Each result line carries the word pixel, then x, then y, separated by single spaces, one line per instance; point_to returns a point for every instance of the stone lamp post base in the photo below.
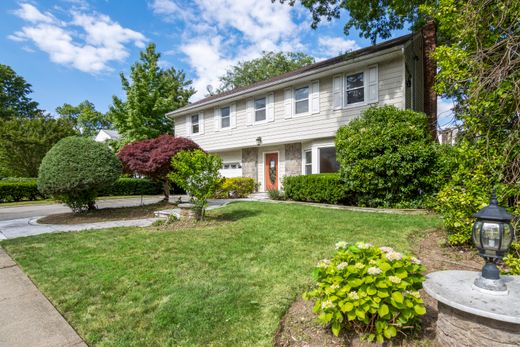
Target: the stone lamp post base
pixel 471 316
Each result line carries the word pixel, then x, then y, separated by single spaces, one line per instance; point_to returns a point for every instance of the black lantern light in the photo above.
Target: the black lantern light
pixel 259 141
pixel 492 234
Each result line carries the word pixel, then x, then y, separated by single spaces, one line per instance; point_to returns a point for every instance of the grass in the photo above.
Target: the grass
pixel 225 284
pixel 106 214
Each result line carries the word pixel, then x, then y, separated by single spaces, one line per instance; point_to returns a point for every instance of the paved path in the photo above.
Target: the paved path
pixel 38 210
pixel 27 318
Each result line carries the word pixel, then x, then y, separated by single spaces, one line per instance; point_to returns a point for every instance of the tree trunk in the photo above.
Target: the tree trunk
pixel 429 34
pixel 166 189
pixel 91 205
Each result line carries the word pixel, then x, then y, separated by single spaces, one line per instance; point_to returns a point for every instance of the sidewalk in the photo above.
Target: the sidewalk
pixel 27 318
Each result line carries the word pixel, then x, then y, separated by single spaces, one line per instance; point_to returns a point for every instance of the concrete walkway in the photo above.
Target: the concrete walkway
pixel 27 318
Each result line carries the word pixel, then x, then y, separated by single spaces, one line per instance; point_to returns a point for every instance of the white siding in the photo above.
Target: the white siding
pixel 297 128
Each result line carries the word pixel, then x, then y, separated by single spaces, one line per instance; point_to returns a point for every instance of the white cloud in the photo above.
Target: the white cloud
pixel 99 42
pixel 445 115
pixel 219 33
pixel 332 46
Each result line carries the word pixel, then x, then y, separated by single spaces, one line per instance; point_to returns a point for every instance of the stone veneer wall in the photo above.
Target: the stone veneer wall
pixel 293 159
pixel 250 163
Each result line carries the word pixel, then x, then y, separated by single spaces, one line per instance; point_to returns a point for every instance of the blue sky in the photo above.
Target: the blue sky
pixel 72 50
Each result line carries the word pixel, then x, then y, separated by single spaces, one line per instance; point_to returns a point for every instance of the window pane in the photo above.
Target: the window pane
pixel 225 122
pixel 301 93
pixel 259 103
pixel 354 81
pixel 302 106
pixel 260 115
pixel 195 128
pixel 356 95
pixel 195 119
pixel 308 157
pixel 308 169
pixel 224 112
pixel 328 161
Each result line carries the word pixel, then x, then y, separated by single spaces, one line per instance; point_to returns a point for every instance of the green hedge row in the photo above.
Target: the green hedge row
pixel 27 189
pixel 324 188
pixel 19 189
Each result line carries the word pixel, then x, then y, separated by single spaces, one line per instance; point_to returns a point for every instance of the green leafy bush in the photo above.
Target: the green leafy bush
pixel 275 194
pixel 197 172
pixel 325 188
pixel 132 186
pixel 236 187
pixel 388 158
pixel 19 189
pixel 369 290
pixel 76 169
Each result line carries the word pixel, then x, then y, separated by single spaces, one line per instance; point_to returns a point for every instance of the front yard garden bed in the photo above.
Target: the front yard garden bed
pixel 225 284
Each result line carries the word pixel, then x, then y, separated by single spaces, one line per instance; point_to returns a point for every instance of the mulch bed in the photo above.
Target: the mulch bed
pixel 299 327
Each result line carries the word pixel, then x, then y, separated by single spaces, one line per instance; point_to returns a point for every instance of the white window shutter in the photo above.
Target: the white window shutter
pixel 337 92
pixel 269 108
pixel 250 111
pixel 217 119
pixel 201 123
pixel 315 96
pixel 188 125
pixel 233 115
pixel 373 85
pixel 288 102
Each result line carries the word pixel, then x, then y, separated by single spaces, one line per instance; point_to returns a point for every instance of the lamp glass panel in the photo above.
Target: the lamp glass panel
pixel 490 235
pixel 507 238
pixel 476 233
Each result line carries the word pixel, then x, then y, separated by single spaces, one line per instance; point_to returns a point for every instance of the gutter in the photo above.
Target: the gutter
pixel 397 51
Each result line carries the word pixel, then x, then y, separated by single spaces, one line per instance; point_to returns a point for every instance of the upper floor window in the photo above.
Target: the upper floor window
pixel 225 113
pixel 260 109
pixel 195 124
pixel 301 99
pixel 354 88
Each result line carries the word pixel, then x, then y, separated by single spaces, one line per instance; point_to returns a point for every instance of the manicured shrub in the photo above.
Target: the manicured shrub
pixel 235 187
pixel 152 158
pixel 275 194
pixel 388 158
pixel 197 172
pixel 132 186
pixel 76 169
pixel 325 188
pixel 369 290
pixel 19 189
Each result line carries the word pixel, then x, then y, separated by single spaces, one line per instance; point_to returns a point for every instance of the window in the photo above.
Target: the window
pixel 327 158
pixel 308 162
pixel 354 89
pixel 260 110
pixel 301 97
pixel 225 117
pixel 231 166
pixel 195 124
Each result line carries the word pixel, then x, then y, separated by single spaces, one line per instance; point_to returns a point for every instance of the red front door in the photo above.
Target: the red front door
pixel 271 171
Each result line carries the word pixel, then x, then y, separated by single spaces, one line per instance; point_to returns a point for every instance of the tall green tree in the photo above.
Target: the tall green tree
pixel 14 95
pixel 270 64
pixel 85 118
pixel 151 92
pixel 25 141
pixel 377 19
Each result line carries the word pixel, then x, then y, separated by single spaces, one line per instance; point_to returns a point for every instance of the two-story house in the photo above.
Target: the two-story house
pixel 286 125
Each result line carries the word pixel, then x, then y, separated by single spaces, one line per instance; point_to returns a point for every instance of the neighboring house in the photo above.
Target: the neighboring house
pixel 286 125
pixel 105 135
pixel 448 135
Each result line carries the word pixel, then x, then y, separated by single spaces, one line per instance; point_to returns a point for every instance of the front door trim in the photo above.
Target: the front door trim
pixel 264 154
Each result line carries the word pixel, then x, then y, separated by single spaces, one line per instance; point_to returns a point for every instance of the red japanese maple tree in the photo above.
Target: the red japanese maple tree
pixel 152 158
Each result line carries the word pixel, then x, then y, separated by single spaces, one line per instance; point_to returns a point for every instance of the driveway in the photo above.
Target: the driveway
pixel 40 210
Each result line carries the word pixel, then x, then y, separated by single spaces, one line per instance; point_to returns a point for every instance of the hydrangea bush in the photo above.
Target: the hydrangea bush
pixel 369 290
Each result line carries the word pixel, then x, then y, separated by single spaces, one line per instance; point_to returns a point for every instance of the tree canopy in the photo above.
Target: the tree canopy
pixel 270 64
pixel 85 118
pixel 14 96
pixel 151 92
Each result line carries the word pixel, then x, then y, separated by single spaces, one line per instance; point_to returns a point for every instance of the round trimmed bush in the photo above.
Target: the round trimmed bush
pixel 76 169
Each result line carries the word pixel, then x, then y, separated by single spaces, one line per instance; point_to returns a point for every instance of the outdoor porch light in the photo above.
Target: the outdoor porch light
pixel 259 141
pixel 492 234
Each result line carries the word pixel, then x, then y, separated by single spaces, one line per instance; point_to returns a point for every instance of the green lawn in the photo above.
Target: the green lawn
pixel 222 285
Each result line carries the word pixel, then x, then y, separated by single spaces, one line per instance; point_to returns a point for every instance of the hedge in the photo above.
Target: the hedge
pixel 236 187
pixel 19 189
pixel 324 188
pixel 132 186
